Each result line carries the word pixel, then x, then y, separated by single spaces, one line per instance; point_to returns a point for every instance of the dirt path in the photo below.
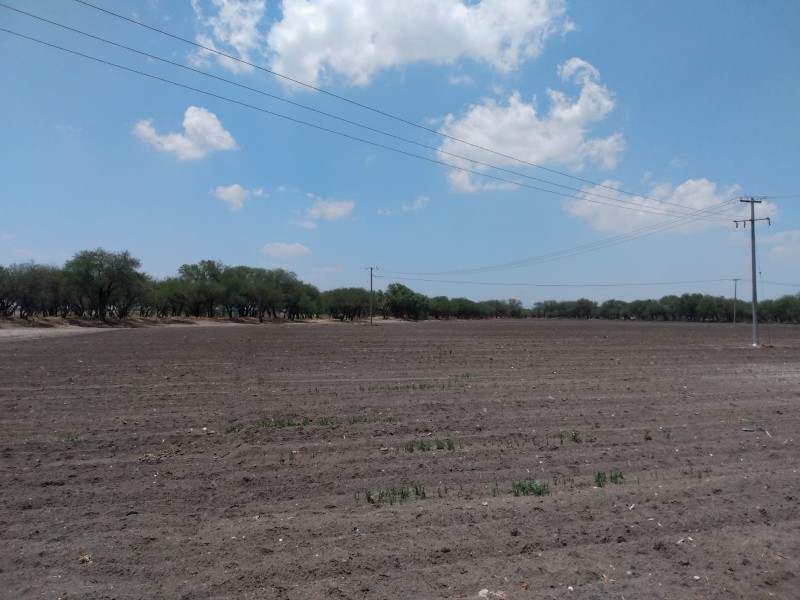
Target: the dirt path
pixel 175 463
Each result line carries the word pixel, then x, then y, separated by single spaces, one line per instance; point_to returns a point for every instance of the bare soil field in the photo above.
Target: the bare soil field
pixel 348 461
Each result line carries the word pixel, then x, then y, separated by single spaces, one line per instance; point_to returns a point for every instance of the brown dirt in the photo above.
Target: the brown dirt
pixel 120 481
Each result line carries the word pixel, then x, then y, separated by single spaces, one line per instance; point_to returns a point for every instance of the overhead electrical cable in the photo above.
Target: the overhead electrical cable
pixel 569 252
pixel 626 205
pixel 356 103
pixel 582 193
pixel 556 285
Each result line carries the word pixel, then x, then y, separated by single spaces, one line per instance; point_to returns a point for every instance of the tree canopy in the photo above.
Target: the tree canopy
pixel 100 283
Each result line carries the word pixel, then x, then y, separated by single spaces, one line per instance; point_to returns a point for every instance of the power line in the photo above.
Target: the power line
pixel 355 103
pixel 555 285
pixel 634 207
pixel 583 193
pixel 569 252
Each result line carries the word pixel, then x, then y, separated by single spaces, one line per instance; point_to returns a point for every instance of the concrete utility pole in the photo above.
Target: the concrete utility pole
pixel 370 292
pixel 752 220
pixel 736 280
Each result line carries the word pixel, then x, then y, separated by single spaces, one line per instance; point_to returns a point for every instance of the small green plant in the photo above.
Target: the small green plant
pixel 591 439
pixel 451 445
pixel 440 445
pixel 281 422
pixel 289 456
pixel 561 437
pixel 68 438
pixel 600 478
pixel 616 476
pixel 667 434
pixel 496 489
pixel 530 487
pixel 419 491
pixel 465 375
pixel 648 435
pixel 576 437
pixel 409 446
pixel 231 429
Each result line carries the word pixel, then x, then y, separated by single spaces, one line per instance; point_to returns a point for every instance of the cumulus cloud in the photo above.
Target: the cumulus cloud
pixel 664 202
pixel 417 205
pixel 317 39
pixel 234 195
pixel 202 134
pixel 327 210
pixel 233 30
pixel 785 246
pixel 285 251
pixel 560 137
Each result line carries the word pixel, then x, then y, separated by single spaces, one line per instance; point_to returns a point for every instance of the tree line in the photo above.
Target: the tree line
pixel 98 283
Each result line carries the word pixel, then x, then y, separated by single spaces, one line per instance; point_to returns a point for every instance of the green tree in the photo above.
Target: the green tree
pixel 404 303
pixel 346 303
pixel 439 307
pixel 101 277
pixel 205 286
pixel 35 289
pixel 6 302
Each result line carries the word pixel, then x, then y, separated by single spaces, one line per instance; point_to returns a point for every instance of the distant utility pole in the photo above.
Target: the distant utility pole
pixel 370 291
pixel 735 281
pixel 752 220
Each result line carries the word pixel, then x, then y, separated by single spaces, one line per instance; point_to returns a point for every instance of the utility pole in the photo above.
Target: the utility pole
pixel 370 291
pixel 752 220
pixel 735 281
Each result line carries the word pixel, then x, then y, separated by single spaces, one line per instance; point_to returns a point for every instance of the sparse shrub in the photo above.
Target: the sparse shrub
pixel 616 476
pixel 530 487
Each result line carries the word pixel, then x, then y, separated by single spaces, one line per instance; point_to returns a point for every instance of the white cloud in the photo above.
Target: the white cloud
pixel 325 209
pixel 285 251
pixel 233 30
pixel 356 39
pixel 234 195
pixel 460 80
pixel 203 133
pixel 417 205
pixel 330 210
pixel 663 203
pixel 785 246
pixel 517 129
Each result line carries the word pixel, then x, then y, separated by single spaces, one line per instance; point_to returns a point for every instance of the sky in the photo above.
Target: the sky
pixel 528 149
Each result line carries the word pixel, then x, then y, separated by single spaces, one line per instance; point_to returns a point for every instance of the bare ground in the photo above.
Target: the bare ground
pixel 134 464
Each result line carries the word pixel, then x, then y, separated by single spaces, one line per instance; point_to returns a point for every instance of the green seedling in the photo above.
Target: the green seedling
pixel 600 478
pixel 576 437
pixel 280 423
pixel 561 437
pixel 530 487
pixel 68 438
pixel 231 429
pixel 616 476
pixel 648 435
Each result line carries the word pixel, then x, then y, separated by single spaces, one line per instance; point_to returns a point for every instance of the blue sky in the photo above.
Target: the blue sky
pixel 650 119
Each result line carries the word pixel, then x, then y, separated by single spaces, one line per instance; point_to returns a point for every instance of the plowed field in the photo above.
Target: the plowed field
pixel 290 461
